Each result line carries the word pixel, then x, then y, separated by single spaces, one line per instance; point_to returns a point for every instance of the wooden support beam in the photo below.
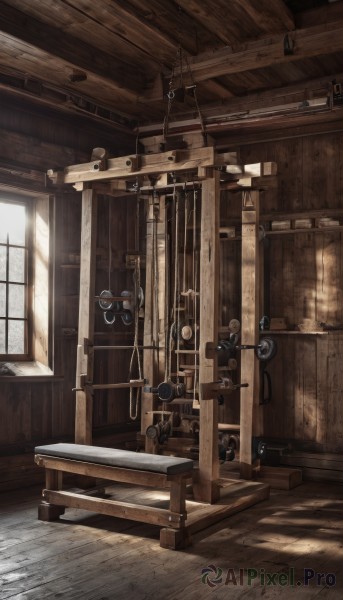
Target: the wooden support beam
pixel 206 488
pixel 250 420
pixel 156 308
pixel 130 167
pixel 84 367
pixel 149 355
pixel 268 52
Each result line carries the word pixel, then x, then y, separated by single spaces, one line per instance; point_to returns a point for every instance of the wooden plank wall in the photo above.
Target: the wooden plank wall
pixel 305 281
pixel 41 411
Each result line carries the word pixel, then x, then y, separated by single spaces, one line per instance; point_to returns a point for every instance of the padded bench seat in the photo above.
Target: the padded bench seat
pixel 125 466
pixel 126 459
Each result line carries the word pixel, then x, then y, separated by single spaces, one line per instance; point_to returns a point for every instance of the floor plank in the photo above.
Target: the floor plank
pixel 91 557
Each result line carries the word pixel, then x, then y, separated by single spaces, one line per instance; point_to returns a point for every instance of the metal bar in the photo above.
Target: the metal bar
pixel 124 347
pixel 113 386
pixel 113 298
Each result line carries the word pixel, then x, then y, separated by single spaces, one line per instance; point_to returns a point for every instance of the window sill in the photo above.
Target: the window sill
pixel 26 371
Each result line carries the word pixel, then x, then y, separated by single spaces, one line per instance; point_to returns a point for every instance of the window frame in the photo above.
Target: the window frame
pixel 28 283
pixel 38 361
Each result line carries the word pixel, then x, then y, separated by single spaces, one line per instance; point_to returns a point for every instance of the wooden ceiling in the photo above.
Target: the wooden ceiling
pixel 115 60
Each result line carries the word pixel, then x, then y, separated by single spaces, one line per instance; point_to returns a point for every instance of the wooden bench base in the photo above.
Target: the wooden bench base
pixel 172 520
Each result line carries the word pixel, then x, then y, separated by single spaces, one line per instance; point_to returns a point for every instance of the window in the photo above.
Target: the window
pixel 25 281
pixel 14 297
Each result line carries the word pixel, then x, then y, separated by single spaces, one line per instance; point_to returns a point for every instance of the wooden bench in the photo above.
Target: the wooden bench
pixel 120 466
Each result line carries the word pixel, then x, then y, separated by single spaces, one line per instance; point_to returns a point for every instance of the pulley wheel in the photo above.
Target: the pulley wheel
pixel 186 333
pixel 266 349
pixel 234 326
pixel 152 432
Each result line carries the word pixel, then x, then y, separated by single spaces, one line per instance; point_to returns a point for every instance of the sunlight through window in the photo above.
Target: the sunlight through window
pixel 13 278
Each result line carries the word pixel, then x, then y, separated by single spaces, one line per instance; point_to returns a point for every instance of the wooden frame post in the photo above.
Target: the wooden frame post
pixel 154 330
pixel 207 489
pixel 84 367
pixel 251 413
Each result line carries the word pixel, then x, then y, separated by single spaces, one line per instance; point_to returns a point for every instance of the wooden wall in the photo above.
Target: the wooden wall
pixel 39 411
pixel 303 280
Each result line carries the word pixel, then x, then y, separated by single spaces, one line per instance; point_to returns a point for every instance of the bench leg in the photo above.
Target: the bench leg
pixel 178 496
pixel 174 539
pixel 49 512
pixel 46 511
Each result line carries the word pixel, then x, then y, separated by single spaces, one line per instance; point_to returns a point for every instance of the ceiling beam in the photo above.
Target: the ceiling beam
pixel 208 15
pixel 224 19
pixel 297 92
pixel 269 51
pixel 84 57
pixel 242 107
pixel 269 16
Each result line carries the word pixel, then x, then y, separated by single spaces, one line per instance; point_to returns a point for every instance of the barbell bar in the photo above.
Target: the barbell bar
pixel 265 350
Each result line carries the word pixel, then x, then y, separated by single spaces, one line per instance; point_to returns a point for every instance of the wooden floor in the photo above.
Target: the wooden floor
pixel 92 557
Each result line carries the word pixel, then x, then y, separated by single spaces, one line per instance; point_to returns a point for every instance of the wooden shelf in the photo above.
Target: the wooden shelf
pixel 284 332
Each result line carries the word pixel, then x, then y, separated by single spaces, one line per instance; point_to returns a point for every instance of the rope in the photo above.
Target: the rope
pixel 155 268
pixel 195 277
pixel 185 242
pixel 109 244
pixel 177 283
pixel 182 59
pixel 135 352
pixel 166 326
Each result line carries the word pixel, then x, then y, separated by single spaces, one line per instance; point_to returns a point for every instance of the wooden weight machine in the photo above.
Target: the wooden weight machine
pixel 165 179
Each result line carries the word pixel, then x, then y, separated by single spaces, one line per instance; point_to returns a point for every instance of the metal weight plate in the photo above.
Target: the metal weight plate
pixel 232 364
pixel 109 317
pixel 127 317
pixel 230 453
pixel 262 450
pixel 266 349
pixel 103 302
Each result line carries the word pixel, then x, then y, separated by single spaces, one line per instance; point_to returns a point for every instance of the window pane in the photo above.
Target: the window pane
pixel 16 301
pixel 2 300
pixel 12 222
pixel 2 337
pixel 16 337
pixel 3 262
pixel 17 265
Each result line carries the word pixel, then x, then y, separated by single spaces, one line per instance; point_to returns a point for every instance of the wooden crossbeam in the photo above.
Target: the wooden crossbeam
pixel 110 473
pixel 268 52
pixel 115 508
pixel 148 164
